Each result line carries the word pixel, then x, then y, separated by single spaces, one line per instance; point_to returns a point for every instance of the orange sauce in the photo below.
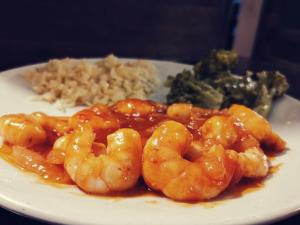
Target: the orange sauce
pixel 34 160
pixel 245 186
pixel 139 190
pixel 56 176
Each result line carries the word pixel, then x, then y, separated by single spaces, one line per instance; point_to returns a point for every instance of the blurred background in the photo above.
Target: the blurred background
pixel 266 33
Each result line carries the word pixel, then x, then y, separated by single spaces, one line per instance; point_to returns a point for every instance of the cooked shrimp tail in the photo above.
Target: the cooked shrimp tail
pixel 253 162
pixel 258 127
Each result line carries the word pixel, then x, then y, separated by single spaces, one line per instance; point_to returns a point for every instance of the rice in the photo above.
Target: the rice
pixel 71 82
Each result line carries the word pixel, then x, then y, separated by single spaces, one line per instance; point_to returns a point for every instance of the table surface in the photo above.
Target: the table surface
pixel 11 218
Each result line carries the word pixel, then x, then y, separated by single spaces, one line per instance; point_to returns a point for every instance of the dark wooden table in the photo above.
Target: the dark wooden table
pixel 10 218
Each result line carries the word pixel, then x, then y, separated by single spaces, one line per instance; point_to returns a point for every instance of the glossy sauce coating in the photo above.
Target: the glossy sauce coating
pixel 144 117
pixel 145 124
pixel 34 161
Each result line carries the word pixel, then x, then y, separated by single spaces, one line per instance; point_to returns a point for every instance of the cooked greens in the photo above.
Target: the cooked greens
pixel 212 84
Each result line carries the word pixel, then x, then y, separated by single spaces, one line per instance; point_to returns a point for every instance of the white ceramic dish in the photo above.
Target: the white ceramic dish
pixel 26 195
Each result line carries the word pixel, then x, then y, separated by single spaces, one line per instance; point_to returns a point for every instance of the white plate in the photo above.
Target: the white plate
pixel 24 193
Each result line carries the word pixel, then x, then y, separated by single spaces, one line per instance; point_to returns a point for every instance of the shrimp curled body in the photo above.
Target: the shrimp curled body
pixel 19 130
pixel 165 169
pixel 117 170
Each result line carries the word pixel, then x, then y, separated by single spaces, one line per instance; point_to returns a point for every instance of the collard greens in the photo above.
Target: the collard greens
pixel 212 84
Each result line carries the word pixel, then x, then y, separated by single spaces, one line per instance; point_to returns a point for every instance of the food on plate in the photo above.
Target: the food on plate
pixel 165 169
pixel 70 82
pixel 185 152
pixel 117 168
pixel 213 84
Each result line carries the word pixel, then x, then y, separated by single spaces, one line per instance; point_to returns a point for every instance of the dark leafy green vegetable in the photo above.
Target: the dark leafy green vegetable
pixel 237 89
pixel 194 91
pixel 263 101
pixel 212 84
pixel 270 85
pixel 217 61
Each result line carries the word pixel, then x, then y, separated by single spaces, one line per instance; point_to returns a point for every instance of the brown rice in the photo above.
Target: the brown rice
pixel 70 82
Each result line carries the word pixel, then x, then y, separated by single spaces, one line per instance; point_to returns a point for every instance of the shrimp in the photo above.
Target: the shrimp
pixel 165 169
pixel 55 127
pixel 134 107
pixel 117 170
pixel 180 111
pixel 215 130
pixel 192 117
pixel 273 143
pixel 251 121
pixel 222 130
pixel 18 129
pixel 258 127
pixel 54 123
pixel 253 162
pixel 99 118
pixel 58 151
